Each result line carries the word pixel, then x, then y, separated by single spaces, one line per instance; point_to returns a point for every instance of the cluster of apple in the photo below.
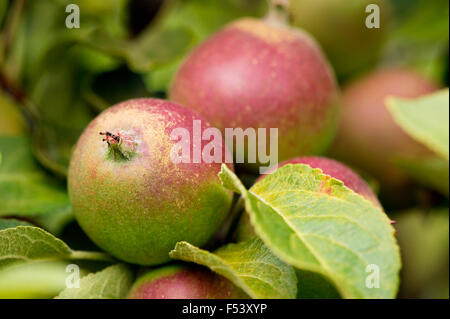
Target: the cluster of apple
pixel 134 202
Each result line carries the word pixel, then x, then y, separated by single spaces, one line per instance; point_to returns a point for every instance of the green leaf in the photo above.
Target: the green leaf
pixel 312 285
pixel 424 240
pixel 11 223
pixel 42 30
pixel 420 37
pixel 11 121
pixel 200 19
pixel 315 223
pixel 431 172
pixel 110 16
pixel 54 222
pixel 250 265
pixel 113 282
pixel 33 280
pixel 157 47
pixel 62 111
pixel 55 65
pixel 425 118
pixel 154 47
pixel 25 190
pixel 25 243
pixel 206 17
pixel 3 9
pixel 114 87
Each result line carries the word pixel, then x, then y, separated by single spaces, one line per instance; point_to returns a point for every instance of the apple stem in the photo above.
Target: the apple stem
pixel 121 146
pixel 278 13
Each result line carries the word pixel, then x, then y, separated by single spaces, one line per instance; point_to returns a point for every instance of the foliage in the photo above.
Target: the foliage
pixel 315 223
pixel 249 265
pixel 315 237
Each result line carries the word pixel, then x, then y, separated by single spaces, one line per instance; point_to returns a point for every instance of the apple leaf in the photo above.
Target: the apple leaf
pixel 25 190
pixel 312 285
pixel 11 223
pixel 113 282
pixel 199 19
pixel 431 172
pixel 250 265
pixel 425 118
pixel 424 239
pixel 26 243
pixel 33 280
pixel 416 44
pixel 316 224
pixel 62 113
pixel 54 222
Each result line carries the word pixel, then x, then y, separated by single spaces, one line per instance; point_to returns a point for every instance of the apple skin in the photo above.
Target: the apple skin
pixel 138 209
pixel 368 137
pixel 255 74
pixel 184 282
pixel 339 27
pixel 329 167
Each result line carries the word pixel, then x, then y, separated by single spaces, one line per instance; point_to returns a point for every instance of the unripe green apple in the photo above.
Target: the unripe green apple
pixel 128 194
pixel 260 74
pixel 184 282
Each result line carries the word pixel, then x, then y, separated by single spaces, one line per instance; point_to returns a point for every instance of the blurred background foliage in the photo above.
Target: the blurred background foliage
pixel 54 80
